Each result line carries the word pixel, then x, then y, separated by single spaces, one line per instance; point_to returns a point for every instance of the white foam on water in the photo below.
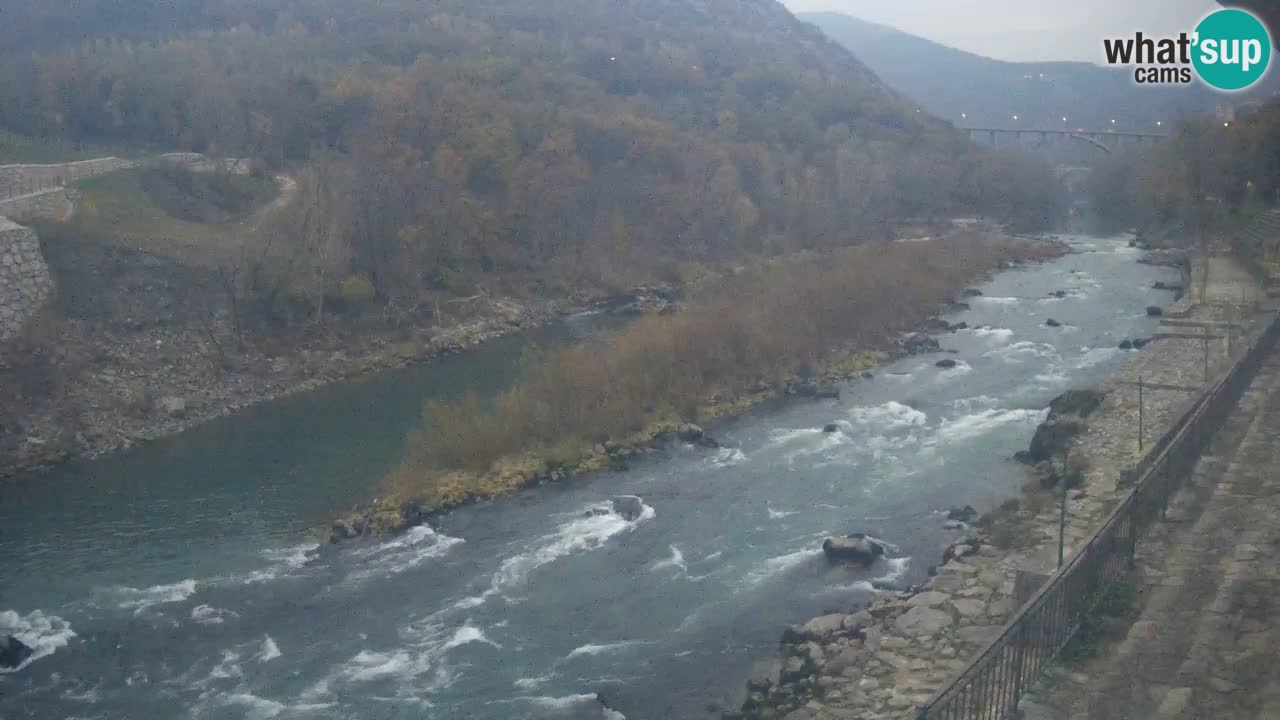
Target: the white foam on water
pixel 990 300
pixel 228 668
pixel 533 682
pixel 140 600
pixel 1024 352
pixel 283 562
pixel 779 514
pixel 782 564
pixel 676 561
pixel 466 635
pixel 260 708
pixel 256 708
pixel 270 651
pixel 727 457
pixel 414 547
pixel 897 570
pixel 208 615
pixel 784 437
pixel 968 427
pixel 1096 356
pixel 590 530
pixel 892 415
pixel 861 586
pixel 997 335
pixel 565 702
pixel 367 666
pixel 593 649
pixel 971 405
pixel 44 634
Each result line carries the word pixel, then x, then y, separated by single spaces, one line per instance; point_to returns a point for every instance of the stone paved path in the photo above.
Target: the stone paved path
pixel 1206 643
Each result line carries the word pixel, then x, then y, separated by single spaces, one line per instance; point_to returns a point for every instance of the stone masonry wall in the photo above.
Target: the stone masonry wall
pixel 17 180
pixel 24 278
pixel 48 204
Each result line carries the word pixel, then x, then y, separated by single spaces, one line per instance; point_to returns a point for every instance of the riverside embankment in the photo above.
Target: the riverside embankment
pixel 882 660
pixel 180 578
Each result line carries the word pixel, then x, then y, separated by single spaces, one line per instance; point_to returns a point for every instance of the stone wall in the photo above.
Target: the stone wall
pixel 18 180
pixel 24 278
pixel 45 205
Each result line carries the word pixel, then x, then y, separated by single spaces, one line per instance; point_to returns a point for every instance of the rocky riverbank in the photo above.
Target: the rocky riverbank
pixel 880 661
pixel 97 374
pixel 452 489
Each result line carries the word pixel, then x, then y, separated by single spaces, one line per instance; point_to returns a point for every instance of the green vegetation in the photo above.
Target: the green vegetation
pixel 768 324
pixel 196 218
pixel 19 150
pixel 515 146
pixel 1198 188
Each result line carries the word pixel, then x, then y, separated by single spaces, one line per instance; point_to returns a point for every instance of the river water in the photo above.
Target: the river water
pixel 178 580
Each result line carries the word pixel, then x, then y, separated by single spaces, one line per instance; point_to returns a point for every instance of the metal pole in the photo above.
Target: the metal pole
pixel 1140 414
pixel 1206 353
pixel 1062 510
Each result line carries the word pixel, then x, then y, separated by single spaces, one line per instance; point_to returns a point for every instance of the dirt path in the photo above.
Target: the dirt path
pixel 1203 644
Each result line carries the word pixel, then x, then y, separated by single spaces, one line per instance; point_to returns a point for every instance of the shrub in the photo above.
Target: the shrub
pixel 355 292
pixel 770 321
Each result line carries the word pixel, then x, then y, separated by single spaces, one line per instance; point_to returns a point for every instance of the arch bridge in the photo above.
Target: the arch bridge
pixel 1105 140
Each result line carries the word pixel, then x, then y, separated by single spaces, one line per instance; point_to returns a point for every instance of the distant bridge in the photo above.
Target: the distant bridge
pixel 1105 140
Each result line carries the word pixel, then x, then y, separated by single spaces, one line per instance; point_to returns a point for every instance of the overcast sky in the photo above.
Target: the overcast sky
pixel 1023 29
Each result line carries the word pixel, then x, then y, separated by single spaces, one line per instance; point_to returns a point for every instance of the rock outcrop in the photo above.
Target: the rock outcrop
pixel 854 548
pixel 13 652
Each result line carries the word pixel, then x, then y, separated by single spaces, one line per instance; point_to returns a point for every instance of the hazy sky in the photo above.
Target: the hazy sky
pixel 1023 29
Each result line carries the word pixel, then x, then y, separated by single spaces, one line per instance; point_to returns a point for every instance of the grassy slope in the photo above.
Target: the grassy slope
pixel 119 210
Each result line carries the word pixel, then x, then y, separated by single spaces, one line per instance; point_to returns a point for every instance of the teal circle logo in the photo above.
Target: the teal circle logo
pixel 1232 49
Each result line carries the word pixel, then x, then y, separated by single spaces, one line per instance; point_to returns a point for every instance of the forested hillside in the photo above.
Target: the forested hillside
pixel 588 142
pixel 950 82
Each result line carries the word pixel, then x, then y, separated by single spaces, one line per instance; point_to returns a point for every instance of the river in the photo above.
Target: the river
pixel 179 580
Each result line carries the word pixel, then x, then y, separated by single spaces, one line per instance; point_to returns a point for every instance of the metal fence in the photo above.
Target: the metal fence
pixel 993 683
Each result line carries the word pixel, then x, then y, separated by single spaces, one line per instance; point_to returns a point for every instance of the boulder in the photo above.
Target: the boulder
pixel 1140 343
pixel 1076 402
pixel 13 652
pixel 1052 323
pixel 830 428
pixel 946 363
pixel 823 627
pixel 868 376
pixel 1024 457
pixel 971 292
pixel 919 344
pixel 936 325
pixel 1053 437
pixel 1154 311
pixel 1058 294
pixel 963 514
pixel 855 548
pixel 960 326
pixel 629 507
pixel 1126 344
pixel 690 433
pixel 173 406
pixel 923 621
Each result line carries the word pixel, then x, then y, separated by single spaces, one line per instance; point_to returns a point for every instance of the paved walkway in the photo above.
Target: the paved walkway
pixel 1205 642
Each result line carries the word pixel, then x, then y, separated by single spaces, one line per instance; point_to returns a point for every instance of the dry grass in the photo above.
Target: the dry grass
pixel 768 322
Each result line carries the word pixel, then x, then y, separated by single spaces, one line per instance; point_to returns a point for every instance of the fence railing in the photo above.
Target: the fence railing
pixel 994 682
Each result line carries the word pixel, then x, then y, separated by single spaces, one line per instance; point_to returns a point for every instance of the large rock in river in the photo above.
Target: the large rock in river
pixel 856 548
pixel 629 507
pixel 13 652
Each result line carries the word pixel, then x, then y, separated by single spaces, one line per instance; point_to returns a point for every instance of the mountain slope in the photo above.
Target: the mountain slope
pixel 952 83
pixel 562 143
